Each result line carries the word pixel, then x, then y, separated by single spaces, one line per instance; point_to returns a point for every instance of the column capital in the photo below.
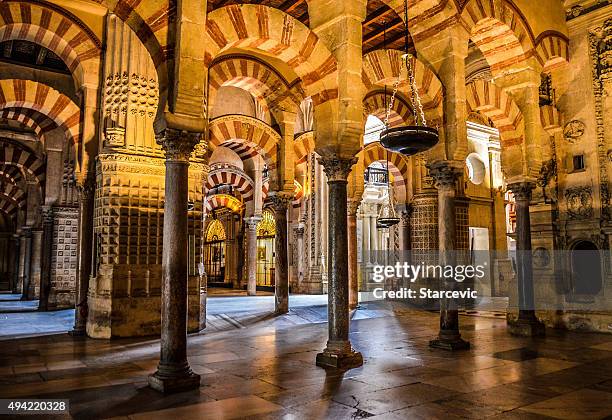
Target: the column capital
pixel 522 190
pixel 251 222
pixel 299 229
pixel 280 200
pixel 353 207
pixel 178 144
pixel 337 168
pixel 445 174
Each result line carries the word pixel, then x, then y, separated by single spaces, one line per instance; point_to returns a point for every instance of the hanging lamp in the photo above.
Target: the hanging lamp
pixel 408 140
pixel 387 216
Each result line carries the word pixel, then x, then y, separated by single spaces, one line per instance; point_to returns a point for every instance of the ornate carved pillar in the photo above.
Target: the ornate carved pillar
pixel 45 281
pixel 281 202
pixel 406 244
pixel 250 227
pixel 339 353
pixel 27 261
pixel 445 176
pixel 173 372
pixel 85 254
pixel 527 323
pixel 300 254
pixel 353 206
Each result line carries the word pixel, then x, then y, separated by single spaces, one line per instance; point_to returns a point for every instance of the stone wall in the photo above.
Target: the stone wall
pixel 64 257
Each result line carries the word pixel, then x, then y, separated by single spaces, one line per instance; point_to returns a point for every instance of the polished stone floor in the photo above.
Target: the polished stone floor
pixel 265 370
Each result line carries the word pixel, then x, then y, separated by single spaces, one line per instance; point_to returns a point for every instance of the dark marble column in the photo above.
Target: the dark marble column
pixel 405 226
pixel 85 256
pixel 280 202
pixel 45 278
pixel 339 352
pixel 250 230
pixel 353 206
pixel 27 261
pixel 14 261
pixel 527 323
pixel 445 177
pixel 173 372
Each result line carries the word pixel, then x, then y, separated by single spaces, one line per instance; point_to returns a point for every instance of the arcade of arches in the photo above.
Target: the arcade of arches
pixel 154 151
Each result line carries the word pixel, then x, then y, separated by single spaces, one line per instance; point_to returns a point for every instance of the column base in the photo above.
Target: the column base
pixel 77 332
pixel 344 360
pixel 527 328
pixel 450 341
pixel 168 384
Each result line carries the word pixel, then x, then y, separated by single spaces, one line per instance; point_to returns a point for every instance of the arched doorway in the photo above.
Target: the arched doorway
pixel 266 232
pixel 214 253
pixel 586 268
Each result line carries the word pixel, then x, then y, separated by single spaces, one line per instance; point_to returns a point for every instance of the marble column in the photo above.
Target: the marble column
pixel 353 205
pixel 299 257
pixel 365 248
pixel 173 372
pixel 406 243
pixel 250 227
pixel 281 202
pixel 45 281
pixel 14 261
pixel 445 177
pixel 339 352
pixel 27 262
pixel 35 270
pixel 85 254
pixel 20 262
pixel 527 323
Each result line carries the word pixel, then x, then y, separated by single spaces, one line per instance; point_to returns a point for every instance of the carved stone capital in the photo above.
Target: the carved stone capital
pixel 444 175
pixel 250 223
pixel 353 207
pixel 280 201
pixel 337 168
pixel 522 190
pixel 178 144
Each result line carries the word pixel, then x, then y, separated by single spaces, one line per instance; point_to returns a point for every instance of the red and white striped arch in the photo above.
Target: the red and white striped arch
pixel 246 136
pixel 499 107
pixel 376 103
pixel 229 176
pixel 275 33
pixel 55 29
pixel 303 145
pixel 223 200
pixel 398 166
pixel 12 198
pixel 30 118
pixel 17 93
pixel 552 49
pixel 262 81
pixel 500 31
pixel 24 160
pixel 382 67
pixel 11 174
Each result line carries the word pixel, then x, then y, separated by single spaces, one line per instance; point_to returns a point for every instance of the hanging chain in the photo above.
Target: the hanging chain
pixel 416 98
pixel 392 101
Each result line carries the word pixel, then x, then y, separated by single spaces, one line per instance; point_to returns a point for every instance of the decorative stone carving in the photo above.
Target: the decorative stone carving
pixel 336 168
pixel 573 131
pixel 280 201
pixel 547 172
pixel 579 203
pixel 541 257
pixel 178 144
pixel 597 39
pixel 522 190
pixel 114 137
pixel 444 175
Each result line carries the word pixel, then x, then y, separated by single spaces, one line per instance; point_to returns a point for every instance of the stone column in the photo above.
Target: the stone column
pixel 85 254
pixel 14 262
pixel 250 227
pixel 406 243
pixel 353 205
pixel 173 372
pixel 280 202
pixel 339 353
pixel 527 323
pixel 299 257
pixel 35 270
pixel 365 249
pixel 27 261
pixel 45 281
pixel 445 177
pixel 20 263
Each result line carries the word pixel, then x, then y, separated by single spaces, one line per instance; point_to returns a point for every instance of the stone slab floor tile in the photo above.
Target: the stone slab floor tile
pixel 582 404
pixel 231 408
